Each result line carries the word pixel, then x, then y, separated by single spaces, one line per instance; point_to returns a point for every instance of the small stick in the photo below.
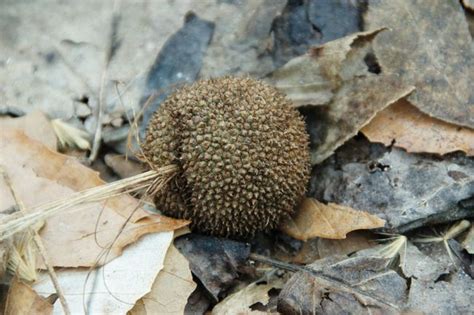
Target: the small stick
pixel 109 53
pixel 100 112
pixel 39 245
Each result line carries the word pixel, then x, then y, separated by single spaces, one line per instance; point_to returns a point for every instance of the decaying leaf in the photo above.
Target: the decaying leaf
pixel 199 301
pixel 336 285
pixel 115 287
pixel 306 23
pixel 406 190
pixel 315 219
pixel 429 47
pixel 451 296
pixel 444 263
pixel 352 109
pixel 35 125
pixel 171 289
pixel 215 261
pixel 408 257
pixel 341 77
pixel 404 126
pixel 318 248
pixel 41 175
pixel 415 263
pixel 241 36
pixel 23 300
pixel 241 302
pixel 313 79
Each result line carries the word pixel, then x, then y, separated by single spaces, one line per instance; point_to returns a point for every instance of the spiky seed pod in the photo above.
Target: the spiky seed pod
pixel 243 154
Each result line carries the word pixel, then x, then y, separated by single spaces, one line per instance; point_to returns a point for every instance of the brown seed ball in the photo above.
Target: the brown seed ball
pixel 242 151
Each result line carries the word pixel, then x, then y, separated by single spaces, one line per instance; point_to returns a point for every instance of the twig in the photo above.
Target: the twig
pixel 112 46
pixel 39 244
pixel 322 277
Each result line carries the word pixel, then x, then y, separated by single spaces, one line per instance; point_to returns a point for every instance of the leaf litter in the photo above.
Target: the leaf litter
pixel 336 284
pixel 171 288
pixel 114 287
pixel 84 241
pixel 353 81
pixel 49 176
pixel 22 299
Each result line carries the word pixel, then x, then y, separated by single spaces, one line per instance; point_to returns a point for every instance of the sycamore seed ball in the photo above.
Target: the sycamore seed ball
pixel 242 151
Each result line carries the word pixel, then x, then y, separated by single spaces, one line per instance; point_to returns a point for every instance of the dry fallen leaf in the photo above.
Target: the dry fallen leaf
pixel 318 248
pixel 171 289
pixel 315 219
pixel 35 125
pixel 407 127
pixel 240 38
pixel 344 90
pixel 312 79
pixel 216 262
pixel 23 300
pixel 351 109
pixel 429 46
pixel 115 287
pixel 241 301
pixel 341 285
pixel 41 175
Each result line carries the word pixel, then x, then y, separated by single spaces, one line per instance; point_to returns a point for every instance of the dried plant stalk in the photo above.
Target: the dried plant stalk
pixel 152 181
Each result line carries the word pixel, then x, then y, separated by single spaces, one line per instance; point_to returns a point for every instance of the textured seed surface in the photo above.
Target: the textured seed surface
pixel 242 151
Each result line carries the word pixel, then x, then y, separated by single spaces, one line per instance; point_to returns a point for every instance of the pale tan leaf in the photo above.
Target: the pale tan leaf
pixel 315 219
pixel 23 300
pixel 35 125
pixel 75 238
pixel 240 301
pixel 115 287
pixel 407 127
pixel 171 289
